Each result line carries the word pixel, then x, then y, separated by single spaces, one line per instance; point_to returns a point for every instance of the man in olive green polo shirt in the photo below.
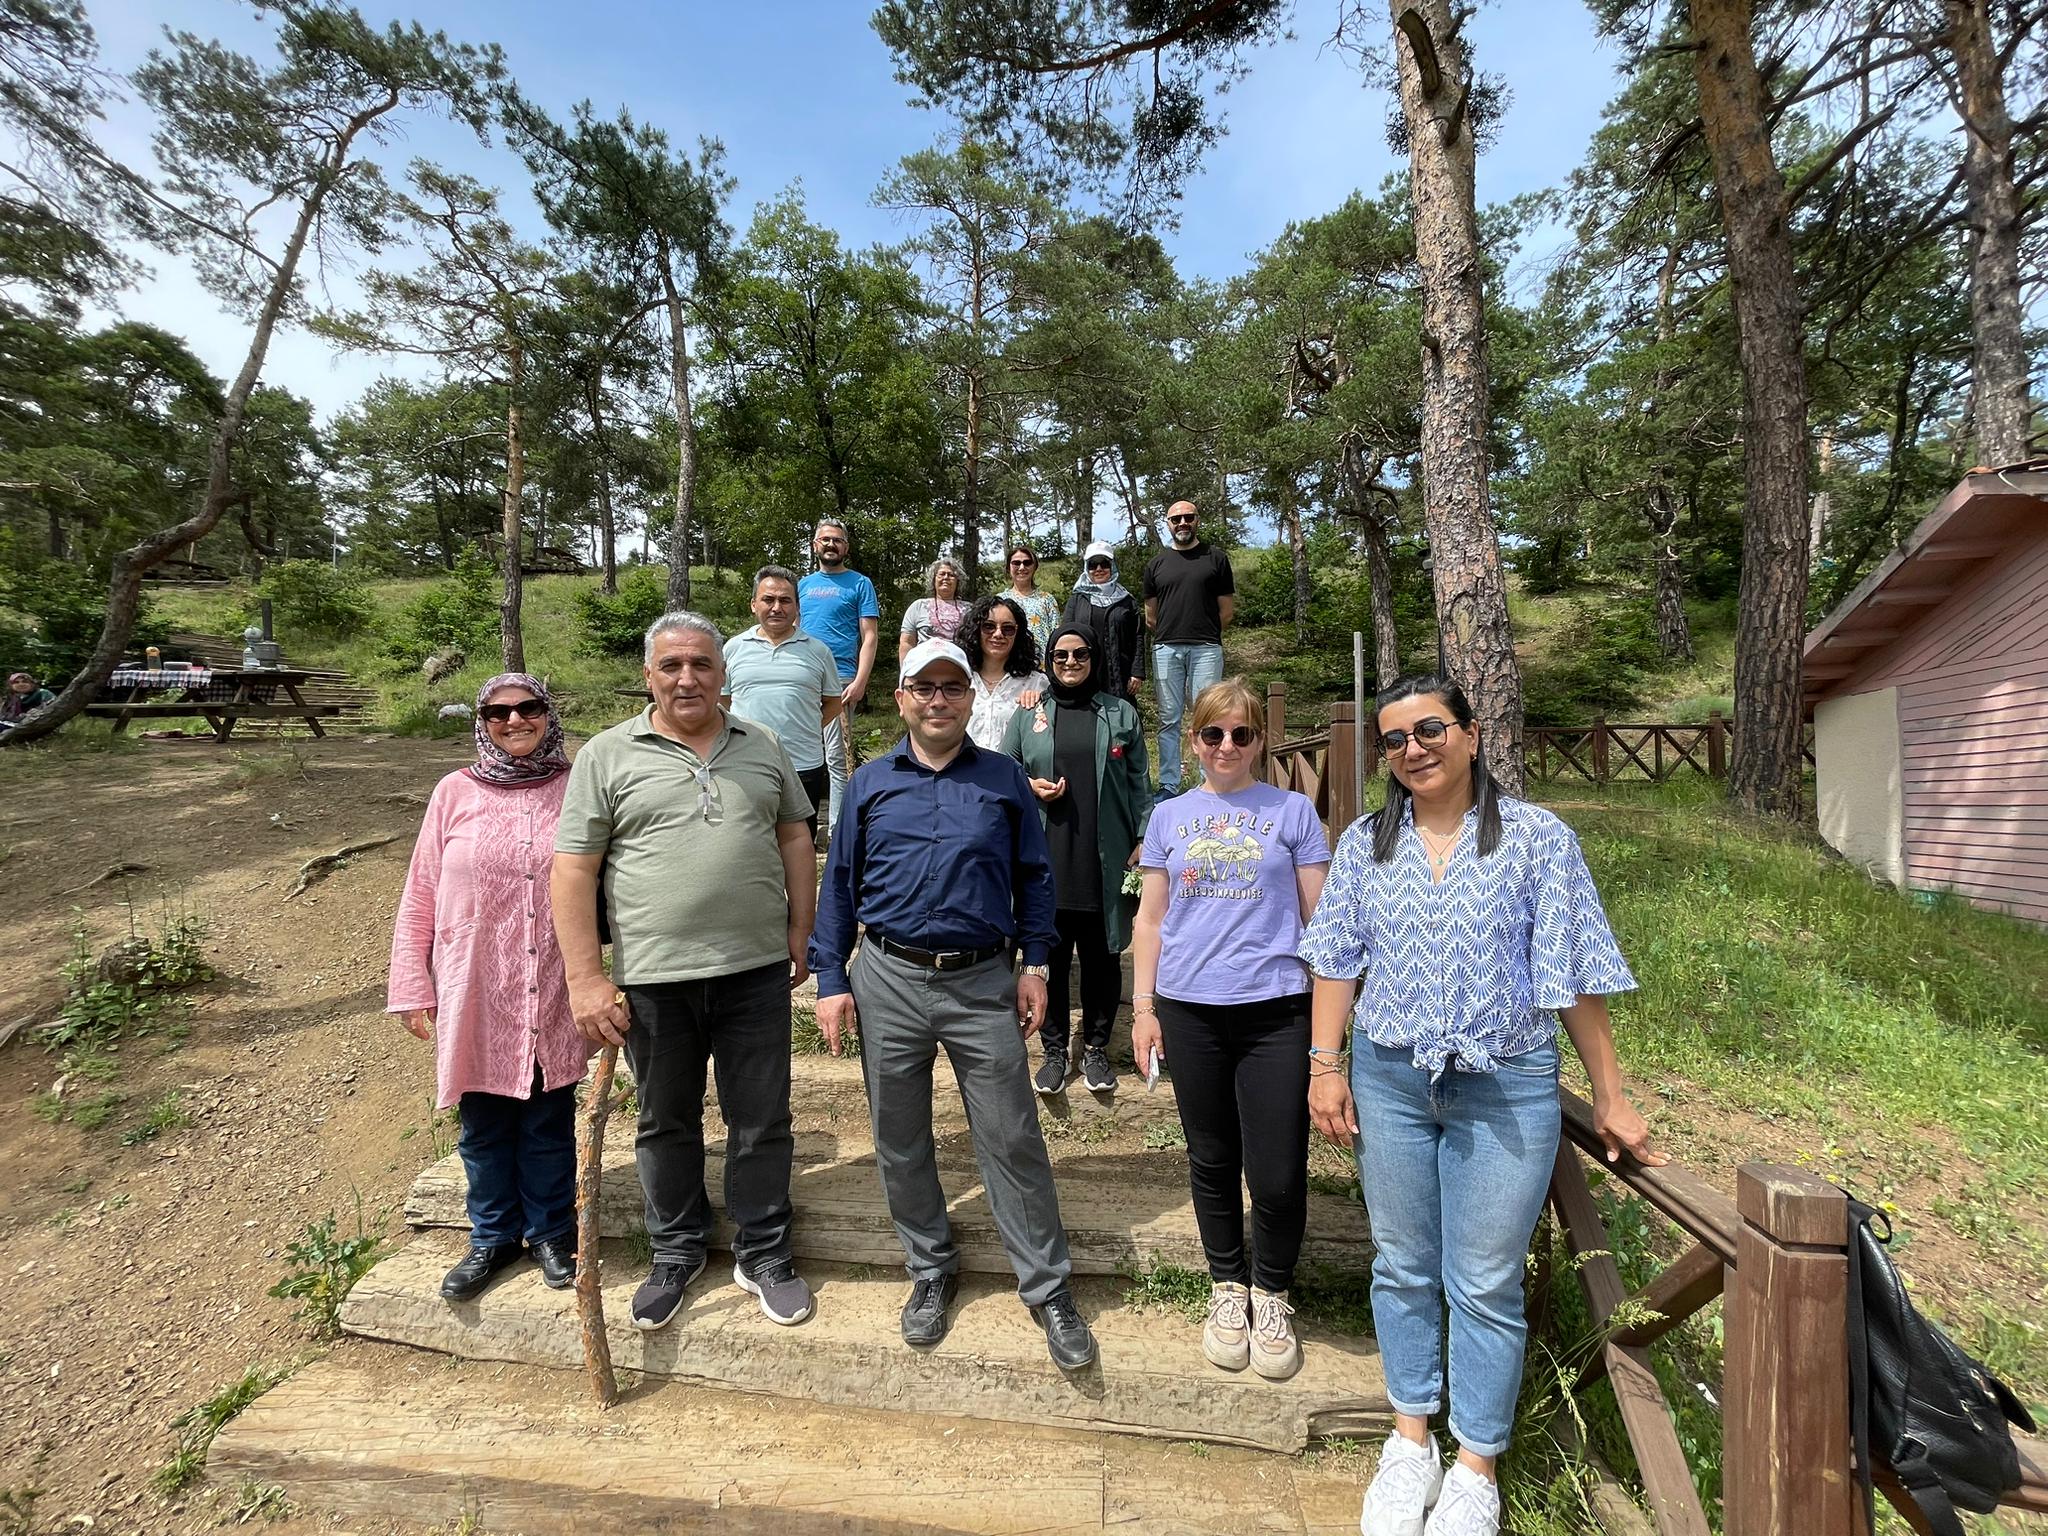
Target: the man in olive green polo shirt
pixel 695 821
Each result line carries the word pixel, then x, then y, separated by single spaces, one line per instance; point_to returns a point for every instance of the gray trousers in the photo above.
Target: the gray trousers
pixel 906 1014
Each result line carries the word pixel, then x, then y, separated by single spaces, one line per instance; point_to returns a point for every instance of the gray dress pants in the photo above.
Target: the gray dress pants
pixel 906 1013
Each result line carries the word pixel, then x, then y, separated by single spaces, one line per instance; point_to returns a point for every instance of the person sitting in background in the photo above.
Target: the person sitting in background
pixel 1477 929
pixel 1084 751
pixel 1105 607
pixel 1002 667
pixel 1041 609
pixel 1232 870
pixel 23 698
pixel 475 968
pixel 938 614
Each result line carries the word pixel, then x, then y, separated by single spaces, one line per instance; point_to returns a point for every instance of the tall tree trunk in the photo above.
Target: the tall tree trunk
pixel 510 642
pixel 1297 553
pixel 1998 353
pixel 970 484
pixel 1765 772
pixel 607 520
pixel 1084 502
pixel 1674 633
pixel 124 588
pixel 686 442
pixel 57 545
pixel 1471 587
pixel 1379 568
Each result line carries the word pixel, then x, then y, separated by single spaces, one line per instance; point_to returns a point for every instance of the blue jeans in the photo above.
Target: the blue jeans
pixel 1180 673
pixel 520 1155
pixel 1455 1173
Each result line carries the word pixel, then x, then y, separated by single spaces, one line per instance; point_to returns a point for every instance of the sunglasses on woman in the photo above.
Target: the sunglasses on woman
pixel 1429 732
pixel 1241 736
pixel 1098 565
pixel 1071 658
pixel 525 709
pixel 1021 561
pixel 991 627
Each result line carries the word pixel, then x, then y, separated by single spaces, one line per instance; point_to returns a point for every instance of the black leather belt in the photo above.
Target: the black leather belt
pixel 940 959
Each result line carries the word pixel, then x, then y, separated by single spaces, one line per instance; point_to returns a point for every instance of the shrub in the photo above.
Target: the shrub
pixel 60 608
pixel 325 1267
pixel 1598 660
pixel 615 625
pixel 461 611
pixel 313 596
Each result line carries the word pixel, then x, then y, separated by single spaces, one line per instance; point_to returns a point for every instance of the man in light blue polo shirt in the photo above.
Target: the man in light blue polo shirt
pixel 780 677
pixel 838 605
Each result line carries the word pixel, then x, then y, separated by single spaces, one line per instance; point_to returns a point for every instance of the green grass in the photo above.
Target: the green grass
pixel 166 1114
pixel 1162 1286
pixel 197 1427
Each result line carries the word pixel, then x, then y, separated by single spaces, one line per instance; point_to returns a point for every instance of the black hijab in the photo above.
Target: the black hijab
pixel 1082 694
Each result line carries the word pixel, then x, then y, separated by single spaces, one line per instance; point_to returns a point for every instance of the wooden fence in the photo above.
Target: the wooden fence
pixel 1778 1256
pixel 1604 752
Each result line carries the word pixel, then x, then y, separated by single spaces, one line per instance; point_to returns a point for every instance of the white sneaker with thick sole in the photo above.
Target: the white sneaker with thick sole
pixel 1409 1479
pixel 1468 1506
pixel 1275 1351
pixel 1226 1336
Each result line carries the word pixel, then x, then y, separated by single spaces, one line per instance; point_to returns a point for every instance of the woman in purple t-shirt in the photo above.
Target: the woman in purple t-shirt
pixel 1232 871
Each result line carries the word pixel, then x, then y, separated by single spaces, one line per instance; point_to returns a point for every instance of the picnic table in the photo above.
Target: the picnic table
pixel 221 695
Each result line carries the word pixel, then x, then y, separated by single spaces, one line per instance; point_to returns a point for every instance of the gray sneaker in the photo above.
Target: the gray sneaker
pixel 1052 1074
pixel 1096 1071
pixel 660 1296
pixel 784 1297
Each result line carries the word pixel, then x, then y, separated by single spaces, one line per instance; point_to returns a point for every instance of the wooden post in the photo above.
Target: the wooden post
pixel 1786 1453
pixel 1341 769
pixel 1717 747
pixel 1276 725
pixel 1600 750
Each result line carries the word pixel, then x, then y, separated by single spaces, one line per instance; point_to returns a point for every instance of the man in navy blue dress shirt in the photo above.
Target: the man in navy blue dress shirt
pixel 942 859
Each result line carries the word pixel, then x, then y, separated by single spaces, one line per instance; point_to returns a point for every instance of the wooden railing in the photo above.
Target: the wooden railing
pixel 1322 765
pixel 1604 752
pixel 1778 1254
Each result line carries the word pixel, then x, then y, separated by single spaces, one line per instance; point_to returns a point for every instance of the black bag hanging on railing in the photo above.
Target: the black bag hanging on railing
pixel 1917 1403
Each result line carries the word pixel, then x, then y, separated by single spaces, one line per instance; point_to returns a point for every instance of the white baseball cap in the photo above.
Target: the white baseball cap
pixel 928 653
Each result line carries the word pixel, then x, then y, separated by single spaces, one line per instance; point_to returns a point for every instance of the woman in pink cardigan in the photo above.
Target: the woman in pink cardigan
pixel 475 968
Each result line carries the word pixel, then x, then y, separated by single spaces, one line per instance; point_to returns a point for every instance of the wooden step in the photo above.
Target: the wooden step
pixel 1150 1379
pixel 1116 1223
pixel 373 1438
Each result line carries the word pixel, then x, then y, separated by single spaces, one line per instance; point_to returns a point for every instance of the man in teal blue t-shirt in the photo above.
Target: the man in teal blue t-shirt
pixel 839 607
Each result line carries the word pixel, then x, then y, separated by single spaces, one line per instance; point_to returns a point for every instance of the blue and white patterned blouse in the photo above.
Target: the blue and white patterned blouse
pixel 1472 969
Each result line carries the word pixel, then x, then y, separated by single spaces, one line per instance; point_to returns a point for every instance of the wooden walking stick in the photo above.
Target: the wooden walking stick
pixel 597 1349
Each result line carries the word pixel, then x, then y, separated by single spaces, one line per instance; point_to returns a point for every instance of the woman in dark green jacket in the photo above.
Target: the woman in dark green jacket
pixel 1084 751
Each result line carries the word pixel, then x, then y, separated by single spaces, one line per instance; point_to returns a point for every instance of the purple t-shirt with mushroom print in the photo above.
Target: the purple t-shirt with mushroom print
pixel 1233 907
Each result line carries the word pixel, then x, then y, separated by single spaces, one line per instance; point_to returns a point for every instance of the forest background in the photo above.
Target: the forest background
pixel 1779 305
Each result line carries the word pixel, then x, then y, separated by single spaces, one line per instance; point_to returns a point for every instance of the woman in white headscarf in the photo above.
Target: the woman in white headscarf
pixel 1102 606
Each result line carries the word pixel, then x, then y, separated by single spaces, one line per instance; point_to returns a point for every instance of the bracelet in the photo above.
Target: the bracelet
pixel 1331 1071
pixel 1141 997
pixel 1335 1053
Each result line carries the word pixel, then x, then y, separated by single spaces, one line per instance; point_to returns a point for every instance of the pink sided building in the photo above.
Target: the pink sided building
pixel 1928 688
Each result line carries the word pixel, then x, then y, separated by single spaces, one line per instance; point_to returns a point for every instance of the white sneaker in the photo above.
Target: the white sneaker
pixel 1275 1351
pixel 1226 1336
pixel 1398 1498
pixel 1468 1506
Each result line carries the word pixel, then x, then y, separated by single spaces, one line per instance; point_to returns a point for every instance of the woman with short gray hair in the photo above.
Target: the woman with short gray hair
pixel 937 615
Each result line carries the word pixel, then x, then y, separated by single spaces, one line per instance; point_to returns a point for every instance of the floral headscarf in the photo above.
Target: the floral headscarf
pixel 494 765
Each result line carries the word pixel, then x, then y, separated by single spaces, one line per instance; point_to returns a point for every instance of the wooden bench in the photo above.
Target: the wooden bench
pixel 221 715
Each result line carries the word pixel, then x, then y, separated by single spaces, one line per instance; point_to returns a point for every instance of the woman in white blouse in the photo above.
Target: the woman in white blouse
pixel 1003 667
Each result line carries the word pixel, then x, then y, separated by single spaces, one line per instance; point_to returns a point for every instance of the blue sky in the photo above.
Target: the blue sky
pixel 803 90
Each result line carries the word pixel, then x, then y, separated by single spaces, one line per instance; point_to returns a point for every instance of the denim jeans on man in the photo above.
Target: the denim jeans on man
pixel 1455 1173
pixel 1180 673
pixel 835 763
pixel 740 1024
pixel 520 1155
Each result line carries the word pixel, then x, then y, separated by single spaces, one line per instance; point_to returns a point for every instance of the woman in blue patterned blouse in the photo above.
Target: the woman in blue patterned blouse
pixel 1474 924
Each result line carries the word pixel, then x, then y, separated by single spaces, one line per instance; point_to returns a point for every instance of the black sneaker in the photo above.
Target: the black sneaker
pixel 1066 1331
pixel 556 1257
pixel 1052 1076
pixel 780 1289
pixel 467 1279
pixel 924 1315
pixel 660 1296
pixel 1096 1071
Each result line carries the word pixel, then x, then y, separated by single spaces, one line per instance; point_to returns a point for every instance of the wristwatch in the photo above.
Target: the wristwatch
pixel 1040 971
